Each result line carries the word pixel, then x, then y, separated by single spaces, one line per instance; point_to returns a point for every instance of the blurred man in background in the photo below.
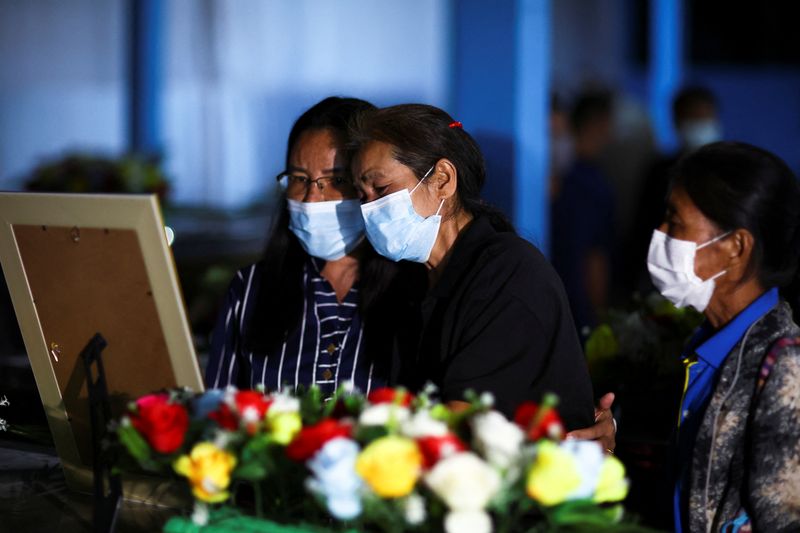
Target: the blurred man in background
pixel 583 212
pixel 696 119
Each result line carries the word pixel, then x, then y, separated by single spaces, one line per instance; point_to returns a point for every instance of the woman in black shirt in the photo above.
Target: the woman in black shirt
pixel 494 316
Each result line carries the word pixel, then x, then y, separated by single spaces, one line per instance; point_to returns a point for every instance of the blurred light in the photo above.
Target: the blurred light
pixel 170 235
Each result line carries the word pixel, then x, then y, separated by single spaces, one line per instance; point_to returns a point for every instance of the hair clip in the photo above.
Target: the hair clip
pixel 456 124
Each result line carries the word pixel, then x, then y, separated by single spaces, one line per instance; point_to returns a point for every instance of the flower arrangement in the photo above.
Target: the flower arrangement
pixel 388 461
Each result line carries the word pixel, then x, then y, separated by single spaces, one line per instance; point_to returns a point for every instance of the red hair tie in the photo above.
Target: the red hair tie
pixel 456 124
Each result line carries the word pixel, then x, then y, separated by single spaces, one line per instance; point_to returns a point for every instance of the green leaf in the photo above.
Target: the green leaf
pixel 251 471
pixel 311 403
pixel 370 433
pixel 134 443
pixel 602 344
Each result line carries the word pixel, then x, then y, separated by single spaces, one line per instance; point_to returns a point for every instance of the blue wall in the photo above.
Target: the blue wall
pixel 501 67
pixel 758 105
pixel 484 44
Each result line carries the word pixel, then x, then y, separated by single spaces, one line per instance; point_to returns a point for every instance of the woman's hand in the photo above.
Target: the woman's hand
pixel 604 429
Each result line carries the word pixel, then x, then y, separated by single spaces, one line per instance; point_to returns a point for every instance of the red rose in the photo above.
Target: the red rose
pixel 436 448
pixel 539 425
pixel 312 438
pixel 390 395
pixel 225 418
pixel 252 406
pixel 162 424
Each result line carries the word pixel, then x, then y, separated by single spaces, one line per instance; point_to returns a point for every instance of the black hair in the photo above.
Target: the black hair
pixel 421 135
pixel 589 107
pixel 691 96
pixel 737 185
pixel 279 302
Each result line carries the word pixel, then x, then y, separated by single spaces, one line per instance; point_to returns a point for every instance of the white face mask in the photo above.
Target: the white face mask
pixel 671 265
pixel 328 230
pixel 397 231
pixel 697 133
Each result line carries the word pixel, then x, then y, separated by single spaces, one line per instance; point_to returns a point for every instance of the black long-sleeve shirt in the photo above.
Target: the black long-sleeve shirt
pixel 498 321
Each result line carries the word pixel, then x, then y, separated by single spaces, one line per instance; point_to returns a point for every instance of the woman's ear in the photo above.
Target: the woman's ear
pixel 444 179
pixel 740 247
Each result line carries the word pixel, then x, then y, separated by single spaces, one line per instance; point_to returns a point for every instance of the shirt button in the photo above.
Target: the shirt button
pixel 327 374
pixel 331 348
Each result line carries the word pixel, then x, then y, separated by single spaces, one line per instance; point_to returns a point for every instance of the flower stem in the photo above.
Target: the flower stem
pixel 259 499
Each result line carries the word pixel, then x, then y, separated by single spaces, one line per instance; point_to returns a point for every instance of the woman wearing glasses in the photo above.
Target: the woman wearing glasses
pixel 322 307
pixel 299 316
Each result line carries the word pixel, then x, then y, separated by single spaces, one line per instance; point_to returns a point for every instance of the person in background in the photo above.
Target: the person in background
pixel 729 246
pixel 695 114
pixel 582 219
pixel 311 311
pixel 696 121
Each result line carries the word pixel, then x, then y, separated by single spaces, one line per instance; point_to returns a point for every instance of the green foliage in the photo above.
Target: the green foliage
pixel 138 448
pixel 84 173
pixel 642 343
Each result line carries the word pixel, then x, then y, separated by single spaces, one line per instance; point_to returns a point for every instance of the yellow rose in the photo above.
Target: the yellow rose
pixel 553 476
pixel 284 426
pixel 209 471
pixel 390 466
pixel 612 485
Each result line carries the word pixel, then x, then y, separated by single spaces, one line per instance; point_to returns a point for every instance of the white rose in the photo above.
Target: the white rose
pixel 467 522
pixel 498 439
pixel 283 403
pixel 422 424
pixel 414 509
pixel 382 414
pixel 464 482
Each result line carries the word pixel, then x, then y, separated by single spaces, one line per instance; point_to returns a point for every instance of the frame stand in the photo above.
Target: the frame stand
pixel 107 485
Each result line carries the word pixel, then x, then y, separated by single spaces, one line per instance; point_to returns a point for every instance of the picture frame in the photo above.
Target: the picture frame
pixel 80 264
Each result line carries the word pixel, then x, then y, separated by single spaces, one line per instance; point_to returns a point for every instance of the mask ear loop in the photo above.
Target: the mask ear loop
pixel 428 173
pixel 709 243
pixel 712 241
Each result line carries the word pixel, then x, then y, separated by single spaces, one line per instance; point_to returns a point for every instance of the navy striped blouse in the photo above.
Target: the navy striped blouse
pixel 325 349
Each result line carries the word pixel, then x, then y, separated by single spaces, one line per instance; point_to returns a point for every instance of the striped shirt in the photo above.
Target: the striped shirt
pixel 324 349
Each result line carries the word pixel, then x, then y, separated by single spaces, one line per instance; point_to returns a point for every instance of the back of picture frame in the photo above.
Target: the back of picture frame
pixel 77 265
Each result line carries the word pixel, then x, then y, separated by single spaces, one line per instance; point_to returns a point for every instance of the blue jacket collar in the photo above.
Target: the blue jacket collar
pixel 714 350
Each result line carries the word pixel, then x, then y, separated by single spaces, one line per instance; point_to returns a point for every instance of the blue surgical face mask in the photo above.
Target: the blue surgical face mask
pixel 328 230
pixel 397 231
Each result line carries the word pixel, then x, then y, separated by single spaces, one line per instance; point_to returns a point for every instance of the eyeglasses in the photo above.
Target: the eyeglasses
pixel 294 182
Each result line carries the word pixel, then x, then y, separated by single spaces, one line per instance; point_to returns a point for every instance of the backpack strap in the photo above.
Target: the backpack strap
pixel 770 360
